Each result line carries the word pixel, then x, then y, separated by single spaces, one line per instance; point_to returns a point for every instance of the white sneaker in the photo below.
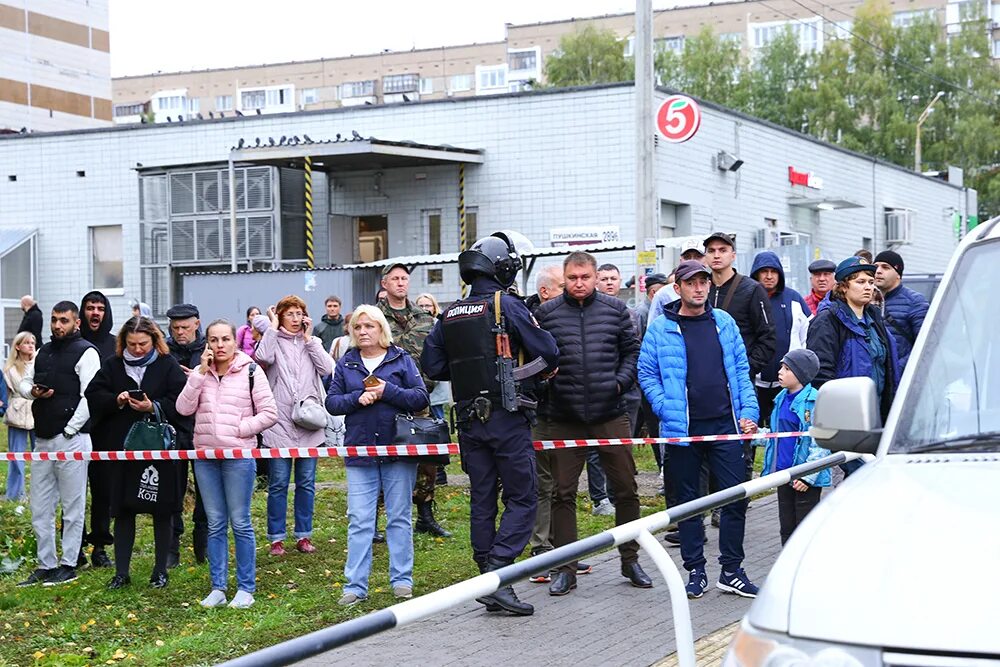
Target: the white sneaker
pixel 242 600
pixel 402 592
pixel 603 508
pixel 216 598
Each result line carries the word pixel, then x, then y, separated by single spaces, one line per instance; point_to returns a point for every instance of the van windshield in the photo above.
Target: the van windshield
pixel 953 401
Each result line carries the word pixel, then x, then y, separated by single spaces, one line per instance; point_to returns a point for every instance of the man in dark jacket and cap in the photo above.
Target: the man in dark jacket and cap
pixel 187 343
pixel 791 322
pixel 905 309
pixel 97 320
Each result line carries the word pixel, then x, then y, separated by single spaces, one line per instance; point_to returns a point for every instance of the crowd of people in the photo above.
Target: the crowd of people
pixel 708 351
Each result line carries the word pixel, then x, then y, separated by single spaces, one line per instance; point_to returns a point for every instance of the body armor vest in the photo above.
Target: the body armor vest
pixel 470 339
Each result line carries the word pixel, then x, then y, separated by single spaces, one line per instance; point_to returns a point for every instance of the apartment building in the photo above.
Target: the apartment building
pixel 55 65
pixel 496 67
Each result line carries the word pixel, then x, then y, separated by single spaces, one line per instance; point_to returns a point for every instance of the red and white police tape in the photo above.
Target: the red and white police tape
pixel 357 450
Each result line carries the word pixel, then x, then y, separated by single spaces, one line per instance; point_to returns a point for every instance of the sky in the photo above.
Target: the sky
pixel 179 35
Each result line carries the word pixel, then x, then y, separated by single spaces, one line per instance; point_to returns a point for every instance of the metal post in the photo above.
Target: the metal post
pixel 644 129
pixel 310 253
pixel 683 634
pixel 463 241
pixel 232 214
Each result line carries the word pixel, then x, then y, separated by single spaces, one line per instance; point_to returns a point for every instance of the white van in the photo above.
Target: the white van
pixel 901 565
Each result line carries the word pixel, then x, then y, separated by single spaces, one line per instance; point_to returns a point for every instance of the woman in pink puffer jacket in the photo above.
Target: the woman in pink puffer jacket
pixel 227 416
pixel 296 364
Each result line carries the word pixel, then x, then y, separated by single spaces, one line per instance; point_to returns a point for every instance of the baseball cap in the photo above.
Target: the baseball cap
pixel 822 266
pixel 388 269
pixel 720 236
pixel 689 268
pixel 693 249
pixel 655 279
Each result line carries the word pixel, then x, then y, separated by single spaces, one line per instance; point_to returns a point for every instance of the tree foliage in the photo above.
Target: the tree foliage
pixel 865 89
pixel 586 57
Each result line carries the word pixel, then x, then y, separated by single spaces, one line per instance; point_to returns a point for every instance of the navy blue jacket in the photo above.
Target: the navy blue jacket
pixel 905 311
pixel 789 310
pixel 839 342
pixel 374 424
pixel 521 327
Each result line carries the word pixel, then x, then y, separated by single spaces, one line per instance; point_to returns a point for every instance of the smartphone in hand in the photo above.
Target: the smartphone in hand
pixel 42 388
pixel 371 381
pixel 136 394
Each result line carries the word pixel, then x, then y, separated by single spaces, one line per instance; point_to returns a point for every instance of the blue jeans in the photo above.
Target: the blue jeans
pixel 437 411
pixel 277 497
pixel 726 464
pixel 17 441
pixel 597 479
pixel 226 487
pixel 396 481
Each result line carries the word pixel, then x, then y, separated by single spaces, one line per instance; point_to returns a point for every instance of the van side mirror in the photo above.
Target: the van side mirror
pixel 847 417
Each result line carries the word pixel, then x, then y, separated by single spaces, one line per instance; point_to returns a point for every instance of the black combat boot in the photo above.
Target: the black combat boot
pixel 505 597
pixel 426 522
pixel 486 599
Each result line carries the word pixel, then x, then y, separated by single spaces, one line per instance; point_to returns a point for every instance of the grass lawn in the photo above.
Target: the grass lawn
pixel 83 623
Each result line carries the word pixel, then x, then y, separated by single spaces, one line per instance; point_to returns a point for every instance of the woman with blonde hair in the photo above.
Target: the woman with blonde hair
pixel 427 303
pixel 295 364
pixel 19 420
pixel 374 382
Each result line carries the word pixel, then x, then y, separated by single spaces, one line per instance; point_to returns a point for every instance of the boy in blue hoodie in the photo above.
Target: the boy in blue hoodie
pixel 793 410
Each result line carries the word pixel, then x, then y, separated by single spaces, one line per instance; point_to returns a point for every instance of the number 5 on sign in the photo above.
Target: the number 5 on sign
pixel 678 118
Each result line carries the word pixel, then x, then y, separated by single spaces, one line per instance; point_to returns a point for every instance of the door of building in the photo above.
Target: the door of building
pixel 373 237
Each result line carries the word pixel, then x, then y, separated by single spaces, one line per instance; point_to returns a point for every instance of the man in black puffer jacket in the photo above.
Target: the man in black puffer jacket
pixel 598 351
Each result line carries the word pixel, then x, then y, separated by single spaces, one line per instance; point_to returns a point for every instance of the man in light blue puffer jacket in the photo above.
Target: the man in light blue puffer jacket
pixel 693 369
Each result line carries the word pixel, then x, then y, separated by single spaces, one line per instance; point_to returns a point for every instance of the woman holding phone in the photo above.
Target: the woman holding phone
pixel 231 407
pixel 295 363
pixel 141 379
pixel 374 382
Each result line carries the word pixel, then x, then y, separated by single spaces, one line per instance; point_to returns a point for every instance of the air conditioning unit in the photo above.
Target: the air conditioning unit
pixel 898 226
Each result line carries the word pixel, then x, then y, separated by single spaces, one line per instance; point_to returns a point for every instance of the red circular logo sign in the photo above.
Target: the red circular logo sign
pixel 678 118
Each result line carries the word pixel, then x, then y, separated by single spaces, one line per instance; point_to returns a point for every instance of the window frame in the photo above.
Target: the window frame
pixel 95 260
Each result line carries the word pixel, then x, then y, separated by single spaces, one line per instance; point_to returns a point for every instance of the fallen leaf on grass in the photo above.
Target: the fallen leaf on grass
pixel 301 571
pixel 38 655
pixel 159 642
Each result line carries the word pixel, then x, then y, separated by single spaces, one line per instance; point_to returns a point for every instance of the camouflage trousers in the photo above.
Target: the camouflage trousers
pixel 423 491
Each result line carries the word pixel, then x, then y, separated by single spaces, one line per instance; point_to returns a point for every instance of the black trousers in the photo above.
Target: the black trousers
pixel 125 541
pixel 99 475
pixel 793 506
pixel 198 516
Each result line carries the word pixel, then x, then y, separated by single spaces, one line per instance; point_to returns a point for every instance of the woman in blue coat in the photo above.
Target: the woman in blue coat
pixel 394 386
pixel 850 338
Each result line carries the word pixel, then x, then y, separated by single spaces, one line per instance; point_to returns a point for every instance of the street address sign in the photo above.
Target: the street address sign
pixel 678 118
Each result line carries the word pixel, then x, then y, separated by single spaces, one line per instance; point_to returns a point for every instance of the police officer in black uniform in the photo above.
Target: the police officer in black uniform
pixel 471 345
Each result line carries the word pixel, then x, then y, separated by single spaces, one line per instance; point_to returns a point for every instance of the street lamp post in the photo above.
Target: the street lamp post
pixel 920 122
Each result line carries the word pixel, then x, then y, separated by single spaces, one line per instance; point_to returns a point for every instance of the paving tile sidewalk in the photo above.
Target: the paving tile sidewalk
pixel 604 622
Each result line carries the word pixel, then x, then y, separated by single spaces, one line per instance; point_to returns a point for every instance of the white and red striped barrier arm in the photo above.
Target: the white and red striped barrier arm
pixel 359 450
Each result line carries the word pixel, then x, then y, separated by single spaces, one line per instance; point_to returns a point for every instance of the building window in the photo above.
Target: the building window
pixel 106 250
pixel 253 99
pixel 435 276
pixel 996 48
pixel 224 103
pixel 732 38
pixel 278 97
pixel 426 86
pixel 460 83
pixel 194 105
pixel 471 226
pixel 357 89
pixel 806 32
pixel 432 227
pixel 400 83
pixel 630 47
pixel 310 96
pixel 129 109
pixel 906 19
pixel 491 78
pixel 675 44
pixel 523 61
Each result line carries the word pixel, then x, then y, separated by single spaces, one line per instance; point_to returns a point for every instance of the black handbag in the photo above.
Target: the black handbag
pixel 410 430
pixel 151 433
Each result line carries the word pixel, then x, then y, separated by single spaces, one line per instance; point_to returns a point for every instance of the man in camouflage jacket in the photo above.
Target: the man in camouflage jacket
pixel 410 326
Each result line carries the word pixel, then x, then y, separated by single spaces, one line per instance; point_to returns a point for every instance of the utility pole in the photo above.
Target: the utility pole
pixel 920 122
pixel 644 129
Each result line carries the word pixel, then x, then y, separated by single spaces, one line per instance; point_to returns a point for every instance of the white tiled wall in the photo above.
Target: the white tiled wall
pixel 554 159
